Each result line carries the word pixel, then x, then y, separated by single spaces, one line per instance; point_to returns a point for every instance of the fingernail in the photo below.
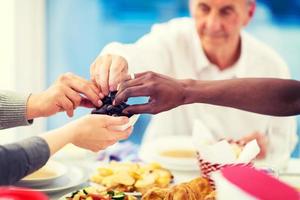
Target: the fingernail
pixel 114 102
pixel 100 103
pixel 101 95
pixel 111 88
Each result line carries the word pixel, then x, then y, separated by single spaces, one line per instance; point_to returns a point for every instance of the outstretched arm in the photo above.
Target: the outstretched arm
pixel 93 132
pixel 278 97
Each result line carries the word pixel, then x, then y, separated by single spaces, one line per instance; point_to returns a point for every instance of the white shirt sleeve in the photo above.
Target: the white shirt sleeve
pixel 282 137
pixel 281 131
pixel 151 52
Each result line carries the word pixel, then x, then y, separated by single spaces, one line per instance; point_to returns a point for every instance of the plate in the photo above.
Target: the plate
pixel 153 152
pixel 45 175
pixel 75 176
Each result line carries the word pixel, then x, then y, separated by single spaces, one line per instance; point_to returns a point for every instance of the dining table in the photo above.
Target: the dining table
pixel 291 174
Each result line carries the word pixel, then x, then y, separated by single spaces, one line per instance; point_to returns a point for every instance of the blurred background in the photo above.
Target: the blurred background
pixel 41 39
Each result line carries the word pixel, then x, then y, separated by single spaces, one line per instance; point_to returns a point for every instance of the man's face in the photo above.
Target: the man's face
pixel 220 21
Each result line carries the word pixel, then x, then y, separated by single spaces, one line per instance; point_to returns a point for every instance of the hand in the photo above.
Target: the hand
pixel 94 131
pixel 108 71
pixel 91 132
pixel 165 93
pixel 262 142
pixel 66 94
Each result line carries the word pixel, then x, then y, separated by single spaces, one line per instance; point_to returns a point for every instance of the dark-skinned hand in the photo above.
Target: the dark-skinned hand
pixel 165 93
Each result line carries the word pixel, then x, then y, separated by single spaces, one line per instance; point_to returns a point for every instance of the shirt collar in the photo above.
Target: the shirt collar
pixel 202 62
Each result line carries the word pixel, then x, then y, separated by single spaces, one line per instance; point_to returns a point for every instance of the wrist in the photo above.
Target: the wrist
pixel 187 85
pixel 70 132
pixel 52 141
pixel 194 91
pixel 33 108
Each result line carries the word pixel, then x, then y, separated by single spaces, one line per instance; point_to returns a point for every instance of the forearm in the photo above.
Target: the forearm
pixel 19 159
pixel 33 107
pixel 13 109
pixel 276 97
pixel 55 144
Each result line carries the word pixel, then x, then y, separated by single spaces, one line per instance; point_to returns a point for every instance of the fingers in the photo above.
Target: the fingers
pixel 108 71
pixel 134 91
pixel 114 121
pixel 136 75
pixel 140 86
pixel 262 142
pixel 121 135
pixel 73 96
pixel 93 72
pixel 130 83
pixel 95 78
pixel 140 108
pixel 86 103
pixel 83 86
pixel 250 137
pixel 118 72
pixel 67 106
pixel 139 75
pixel 102 77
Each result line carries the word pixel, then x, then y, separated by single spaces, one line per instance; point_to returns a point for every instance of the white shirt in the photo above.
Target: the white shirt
pixel 174 49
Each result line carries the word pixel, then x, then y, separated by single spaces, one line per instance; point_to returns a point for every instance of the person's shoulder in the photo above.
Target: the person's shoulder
pixel 264 55
pixel 261 49
pixel 175 26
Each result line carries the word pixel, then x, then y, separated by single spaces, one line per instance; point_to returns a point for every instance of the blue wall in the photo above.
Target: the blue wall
pixel 78 29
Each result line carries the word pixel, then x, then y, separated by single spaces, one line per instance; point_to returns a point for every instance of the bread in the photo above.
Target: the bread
pixel 197 189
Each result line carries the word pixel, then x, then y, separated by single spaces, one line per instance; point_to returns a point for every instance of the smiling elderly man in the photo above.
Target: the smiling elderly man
pixel 210 45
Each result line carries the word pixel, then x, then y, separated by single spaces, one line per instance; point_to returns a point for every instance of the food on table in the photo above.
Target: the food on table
pixel 237 149
pixel 128 176
pixel 156 193
pixel 108 109
pixel 92 193
pixel 43 173
pixel 211 196
pixel 197 189
pixel 179 153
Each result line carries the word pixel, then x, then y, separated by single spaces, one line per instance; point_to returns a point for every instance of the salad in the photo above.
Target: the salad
pixel 91 193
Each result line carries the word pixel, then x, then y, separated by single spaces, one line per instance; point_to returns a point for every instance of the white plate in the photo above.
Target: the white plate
pixel 52 171
pixel 150 152
pixel 75 176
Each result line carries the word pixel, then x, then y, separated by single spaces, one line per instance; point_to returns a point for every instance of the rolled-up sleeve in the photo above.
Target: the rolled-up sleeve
pixel 20 159
pixel 13 109
pixel 151 52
